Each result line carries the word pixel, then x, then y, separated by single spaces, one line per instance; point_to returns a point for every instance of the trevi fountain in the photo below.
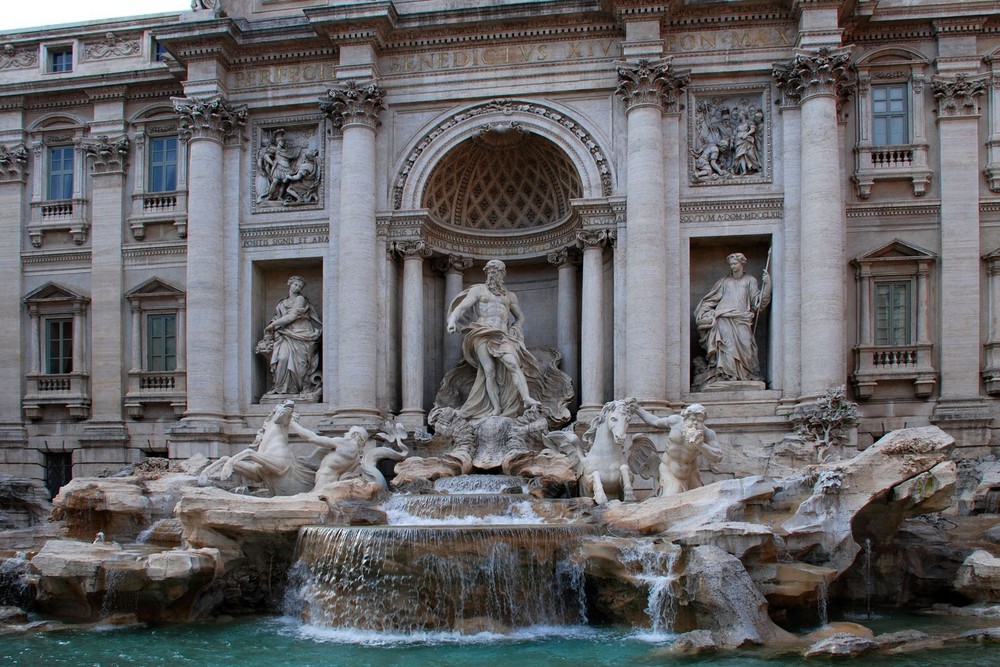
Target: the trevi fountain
pixel 504 530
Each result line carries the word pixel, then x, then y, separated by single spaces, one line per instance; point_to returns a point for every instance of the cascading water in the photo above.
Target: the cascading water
pixel 655 567
pixel 868 578
pixel 467 563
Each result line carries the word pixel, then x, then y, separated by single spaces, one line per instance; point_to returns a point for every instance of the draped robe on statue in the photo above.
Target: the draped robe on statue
pixel 729 339
pixel 295 358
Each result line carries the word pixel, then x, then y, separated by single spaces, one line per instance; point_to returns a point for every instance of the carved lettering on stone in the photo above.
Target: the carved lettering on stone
pixel 288 167
pixel 729 137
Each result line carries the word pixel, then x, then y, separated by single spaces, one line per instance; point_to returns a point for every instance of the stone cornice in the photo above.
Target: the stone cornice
pixel 217 39
pixel 57 89
pixel 354 103
pixel 209 117
pixel 964 25
pixel 958 97
pixel 651 83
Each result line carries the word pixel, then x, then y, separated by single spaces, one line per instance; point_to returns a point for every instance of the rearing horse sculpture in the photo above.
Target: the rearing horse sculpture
pixel 599 460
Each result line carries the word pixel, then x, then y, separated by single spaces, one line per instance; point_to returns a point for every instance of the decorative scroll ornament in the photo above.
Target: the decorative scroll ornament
pixel 209 117
pixel 13 163
pixel 111 47
pixel 408 249
pixel 822 72
pixel 591 238
pixel 109 156
pixel 354 103
pixel 648 82
pixel 958 97
pixel 558 257
pixel 14 58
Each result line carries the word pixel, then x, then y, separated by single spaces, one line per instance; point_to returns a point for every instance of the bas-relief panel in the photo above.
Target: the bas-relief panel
pixel 288 162
pixel 729 135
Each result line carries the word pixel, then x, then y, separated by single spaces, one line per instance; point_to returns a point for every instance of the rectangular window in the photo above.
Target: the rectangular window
pixel 58 471
pixel 890 126
pixel 60 173
pixel 892 313
pixel 161 342
pixel 163 164
pixel 58 345
pixel 60 59
pixel 160 52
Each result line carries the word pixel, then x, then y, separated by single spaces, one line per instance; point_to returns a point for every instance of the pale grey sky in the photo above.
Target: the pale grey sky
pixel 32 13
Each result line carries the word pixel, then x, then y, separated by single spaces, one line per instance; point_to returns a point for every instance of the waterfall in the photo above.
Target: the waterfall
pixel 656 567
pixel 475 509
pixel 478 484
pixel 432 578
pixel 868 578
pixel 144 536
pixel 822 601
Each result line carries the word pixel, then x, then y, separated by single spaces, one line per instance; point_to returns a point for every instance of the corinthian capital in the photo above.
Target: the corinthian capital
pixel 354 103
pixel 209 117
pixel 821 72
pixel 591 238
pixel 647 82
pixel 109 156
pixel 958 97
pixel 13 163
pixel 411 249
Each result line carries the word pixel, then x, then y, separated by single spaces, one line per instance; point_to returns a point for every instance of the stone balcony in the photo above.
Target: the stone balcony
pixel 69 390
pixel 153 208
pixel 148 387
pixel 881 363
pixel 876 163
pixel 63 215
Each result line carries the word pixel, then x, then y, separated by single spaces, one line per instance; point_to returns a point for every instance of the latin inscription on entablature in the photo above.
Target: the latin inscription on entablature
pixel 729 40
pixel 279 75
pixel 507 55
pixel 272 236
pixel 715 212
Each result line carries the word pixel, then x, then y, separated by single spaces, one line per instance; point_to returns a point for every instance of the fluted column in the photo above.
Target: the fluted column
pixel 354 107
pixel 567 313
pixel 454 269
pixel 958 127
pixel 206 123
pixel 592 343
pixel 818 80
pixel 109 158
pixel 13 176
pixel 413 254
pixel 648 88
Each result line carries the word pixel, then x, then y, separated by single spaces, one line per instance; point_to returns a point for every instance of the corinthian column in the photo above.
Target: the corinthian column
pixel 592 343
pixel 567 314
pixel 454 269
pixel 354 107
pixel 413 253
pixel 13 177
pixel 817 79
pixel 648 89
pixel 206 122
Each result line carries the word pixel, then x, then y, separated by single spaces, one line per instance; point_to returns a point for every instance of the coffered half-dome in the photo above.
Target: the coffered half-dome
pixel 503 180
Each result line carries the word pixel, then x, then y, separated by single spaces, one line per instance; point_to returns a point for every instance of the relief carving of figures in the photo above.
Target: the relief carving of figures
pixel 729 138
pixel 12 57
pixel 111 47
pixel 291 344
pixel 288 171
pixel 727 320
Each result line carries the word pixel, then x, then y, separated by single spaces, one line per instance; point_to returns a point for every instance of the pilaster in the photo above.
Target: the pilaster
pixel 13 178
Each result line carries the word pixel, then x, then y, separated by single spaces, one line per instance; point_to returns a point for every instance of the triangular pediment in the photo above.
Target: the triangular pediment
pixel 154 287
pixel 52 292
pixel 896 249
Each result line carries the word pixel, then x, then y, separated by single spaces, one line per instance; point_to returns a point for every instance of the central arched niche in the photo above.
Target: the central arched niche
pixel 502 193
pixel 505 180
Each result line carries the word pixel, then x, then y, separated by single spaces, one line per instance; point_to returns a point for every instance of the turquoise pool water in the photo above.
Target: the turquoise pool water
pixel 282 641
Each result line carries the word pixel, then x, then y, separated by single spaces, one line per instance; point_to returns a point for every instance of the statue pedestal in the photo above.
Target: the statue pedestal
pixel 735 385
pixel 305 397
